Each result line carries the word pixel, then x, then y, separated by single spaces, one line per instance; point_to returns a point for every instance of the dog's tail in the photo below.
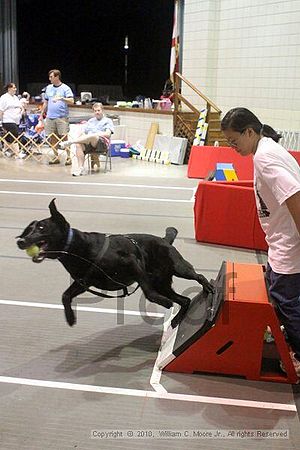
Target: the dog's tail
pixel 171 234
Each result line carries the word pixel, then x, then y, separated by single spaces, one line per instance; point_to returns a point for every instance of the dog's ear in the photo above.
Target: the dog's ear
pixel 56 215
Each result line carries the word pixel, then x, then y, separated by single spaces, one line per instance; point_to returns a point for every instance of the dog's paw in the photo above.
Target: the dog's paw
pixel 176 321
pixel 206 285
pixel 181 314
pixel 208 288
pixel 70 317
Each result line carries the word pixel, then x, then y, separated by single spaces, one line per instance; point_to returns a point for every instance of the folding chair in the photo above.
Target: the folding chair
pixel 93 158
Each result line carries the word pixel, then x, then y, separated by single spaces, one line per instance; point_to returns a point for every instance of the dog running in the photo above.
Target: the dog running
pixel 111 262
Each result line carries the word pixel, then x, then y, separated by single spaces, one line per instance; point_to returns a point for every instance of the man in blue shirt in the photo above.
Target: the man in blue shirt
pixel 94 139
pixel 57 98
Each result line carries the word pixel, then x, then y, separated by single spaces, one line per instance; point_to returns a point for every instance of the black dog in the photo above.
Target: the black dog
pixel 112 262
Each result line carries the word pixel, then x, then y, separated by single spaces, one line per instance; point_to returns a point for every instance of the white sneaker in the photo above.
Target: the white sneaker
pixel 79 172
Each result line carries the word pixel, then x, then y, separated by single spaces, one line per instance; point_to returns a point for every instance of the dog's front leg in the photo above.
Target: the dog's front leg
pixel 74 290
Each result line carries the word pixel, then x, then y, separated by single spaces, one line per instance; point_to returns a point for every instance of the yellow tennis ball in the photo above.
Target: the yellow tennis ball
pixel 33 250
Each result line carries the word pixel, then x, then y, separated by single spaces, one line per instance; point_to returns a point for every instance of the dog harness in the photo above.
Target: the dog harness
pixel 95 265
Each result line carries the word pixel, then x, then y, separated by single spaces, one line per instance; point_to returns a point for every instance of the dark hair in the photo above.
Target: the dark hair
pixel 56 73
pixel 239 119
pixel 8 85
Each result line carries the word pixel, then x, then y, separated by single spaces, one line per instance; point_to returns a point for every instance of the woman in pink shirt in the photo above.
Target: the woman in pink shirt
pixel 277 193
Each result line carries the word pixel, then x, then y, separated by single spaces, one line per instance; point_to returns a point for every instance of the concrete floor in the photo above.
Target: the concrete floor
pixel 57 383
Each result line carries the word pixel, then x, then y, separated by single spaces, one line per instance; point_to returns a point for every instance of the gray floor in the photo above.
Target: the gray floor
pixel 57 384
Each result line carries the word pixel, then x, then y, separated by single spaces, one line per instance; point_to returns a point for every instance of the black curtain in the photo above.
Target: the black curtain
pixel 8 42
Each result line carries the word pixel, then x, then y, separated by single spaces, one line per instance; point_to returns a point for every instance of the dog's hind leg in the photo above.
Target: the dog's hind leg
pixel 148 288
pixel 180 315
pixel 181 300
pixel 183 269
pixel 153 296
pixel 67 297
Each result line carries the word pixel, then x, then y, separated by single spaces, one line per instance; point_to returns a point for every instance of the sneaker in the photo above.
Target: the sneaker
pixel 8 153
pixel 295 362
pixel 54 161
pixel 79 172
pixel 68 162
pixel 64 144
pixel 22 155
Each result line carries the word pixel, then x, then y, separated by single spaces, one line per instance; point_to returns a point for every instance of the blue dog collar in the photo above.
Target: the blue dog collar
pixel 69 239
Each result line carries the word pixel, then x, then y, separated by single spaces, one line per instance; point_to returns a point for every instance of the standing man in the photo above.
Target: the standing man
pixel 58 96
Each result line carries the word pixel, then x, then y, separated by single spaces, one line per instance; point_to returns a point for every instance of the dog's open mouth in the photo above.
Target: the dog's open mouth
pixel 40 254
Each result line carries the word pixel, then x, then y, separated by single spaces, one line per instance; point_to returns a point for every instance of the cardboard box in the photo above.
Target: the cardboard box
pixel 176 146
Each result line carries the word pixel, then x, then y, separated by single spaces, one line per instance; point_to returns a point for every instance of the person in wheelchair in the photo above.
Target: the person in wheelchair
pixel 95 139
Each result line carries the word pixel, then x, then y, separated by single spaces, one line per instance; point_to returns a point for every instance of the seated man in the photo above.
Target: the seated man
pixel 94 139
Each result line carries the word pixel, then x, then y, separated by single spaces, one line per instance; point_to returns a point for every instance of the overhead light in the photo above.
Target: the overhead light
pixel 126 46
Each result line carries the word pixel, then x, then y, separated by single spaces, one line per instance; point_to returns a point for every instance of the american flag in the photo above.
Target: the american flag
pixel 174 59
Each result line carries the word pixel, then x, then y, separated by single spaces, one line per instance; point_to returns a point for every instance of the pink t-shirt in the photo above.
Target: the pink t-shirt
pixel 276 178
